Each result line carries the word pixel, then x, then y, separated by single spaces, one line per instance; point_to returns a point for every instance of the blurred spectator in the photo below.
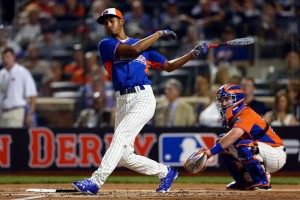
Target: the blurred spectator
pixel 31 29
pixel 91 69
pixel 170 19
pixel 69 14
pixel 45 11
pixel 293 91
pixel 221 75
pixel 95 76
pixel 56 75
pixel 281 115
pixel 58 10
pixel 96 117
pixel 268 29
pixel 94 69
pixel 82 36
pixel 73 9
pixel 208 17
pixel 50 44
pixel 286 19
pixel 173 112
pixel 291 69
pixel 188 42
pixel 235 79
pixel 202 86
pixel 225 73
pixel 76 68
pixel 137 18
pixel 292 35
pixel 97 31
pixel 248 85
pixel 210 116
pixel 45 7
pixel 17 89
pixel 98 84
pixel 201 90
pixel 38 68
pixel 6 41
pixel 235 16
pixel 238 56
pixel 252 17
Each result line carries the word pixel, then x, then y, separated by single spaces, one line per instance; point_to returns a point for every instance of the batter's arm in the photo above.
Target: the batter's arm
pixel 171 65
pixel 178 62
pixel 125 50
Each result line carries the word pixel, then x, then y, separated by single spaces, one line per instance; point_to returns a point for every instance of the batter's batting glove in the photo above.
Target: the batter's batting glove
pixel 167 34
pixel 200 49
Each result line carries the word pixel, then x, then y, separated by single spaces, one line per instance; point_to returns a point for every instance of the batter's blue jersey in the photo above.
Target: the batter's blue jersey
pixel 128 72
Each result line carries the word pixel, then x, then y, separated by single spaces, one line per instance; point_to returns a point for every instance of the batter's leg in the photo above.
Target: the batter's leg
pixel 139 109
pixel 143 164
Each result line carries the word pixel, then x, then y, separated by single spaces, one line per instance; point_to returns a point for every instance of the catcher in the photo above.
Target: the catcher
pixel 251 149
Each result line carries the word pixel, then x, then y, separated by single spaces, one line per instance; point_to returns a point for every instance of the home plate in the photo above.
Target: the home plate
pixel 50 190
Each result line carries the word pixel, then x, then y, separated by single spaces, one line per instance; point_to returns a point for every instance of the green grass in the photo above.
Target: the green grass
pixel 135 179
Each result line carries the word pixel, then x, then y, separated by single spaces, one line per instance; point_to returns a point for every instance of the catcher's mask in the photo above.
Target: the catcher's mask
pixel 229 96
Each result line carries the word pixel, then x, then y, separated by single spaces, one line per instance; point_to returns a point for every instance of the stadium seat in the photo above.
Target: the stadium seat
pixel 67 94
pixel 64 86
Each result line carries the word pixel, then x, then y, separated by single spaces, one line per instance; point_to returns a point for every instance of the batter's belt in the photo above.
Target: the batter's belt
pixel 129 90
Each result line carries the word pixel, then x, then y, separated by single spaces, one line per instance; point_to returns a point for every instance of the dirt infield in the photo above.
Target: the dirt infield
pixel 147 191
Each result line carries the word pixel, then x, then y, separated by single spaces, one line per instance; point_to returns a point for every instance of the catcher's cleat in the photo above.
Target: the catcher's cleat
pixel 236 186
pixel 165 183
pixel 86 186
pixel 260 187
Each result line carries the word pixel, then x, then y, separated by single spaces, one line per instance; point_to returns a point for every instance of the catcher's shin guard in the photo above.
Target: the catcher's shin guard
pixel 253 164
pixel 236 171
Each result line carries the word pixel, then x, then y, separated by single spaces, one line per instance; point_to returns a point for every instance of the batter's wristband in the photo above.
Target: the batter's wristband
pixel 216 149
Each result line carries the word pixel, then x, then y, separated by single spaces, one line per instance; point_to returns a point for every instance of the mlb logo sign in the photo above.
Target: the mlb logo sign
pixel 175 148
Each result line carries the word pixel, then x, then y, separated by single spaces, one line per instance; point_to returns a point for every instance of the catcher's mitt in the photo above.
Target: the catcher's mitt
pixel 196 163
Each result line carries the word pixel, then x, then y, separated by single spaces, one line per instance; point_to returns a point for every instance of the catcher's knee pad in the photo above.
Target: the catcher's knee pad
pixel 246 149
pixel 247 155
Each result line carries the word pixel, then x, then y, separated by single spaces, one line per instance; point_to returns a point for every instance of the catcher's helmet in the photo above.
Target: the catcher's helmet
pixel 234 97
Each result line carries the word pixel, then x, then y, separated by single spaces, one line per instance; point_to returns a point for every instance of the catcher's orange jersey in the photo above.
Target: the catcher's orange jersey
pixel 253 125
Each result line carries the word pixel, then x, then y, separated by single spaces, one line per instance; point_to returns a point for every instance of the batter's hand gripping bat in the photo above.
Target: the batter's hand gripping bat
pixel 236 42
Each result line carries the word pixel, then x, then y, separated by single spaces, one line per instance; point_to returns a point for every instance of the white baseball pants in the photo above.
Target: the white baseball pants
pixel 273 158
pixel 133 111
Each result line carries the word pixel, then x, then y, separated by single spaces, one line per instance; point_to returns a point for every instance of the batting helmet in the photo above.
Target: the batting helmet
pixel 229 96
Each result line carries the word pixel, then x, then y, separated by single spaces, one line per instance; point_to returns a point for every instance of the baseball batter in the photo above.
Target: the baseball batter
pixel 251 150
pixel 126 60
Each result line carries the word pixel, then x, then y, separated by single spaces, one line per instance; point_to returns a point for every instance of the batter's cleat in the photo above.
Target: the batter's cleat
pixel 236 186
pixel 86 186
pixel 165 183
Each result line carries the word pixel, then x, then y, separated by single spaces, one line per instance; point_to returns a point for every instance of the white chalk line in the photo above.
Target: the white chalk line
pixel 32 197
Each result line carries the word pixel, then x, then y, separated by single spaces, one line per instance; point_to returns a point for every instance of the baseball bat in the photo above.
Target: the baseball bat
pixel 236 42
